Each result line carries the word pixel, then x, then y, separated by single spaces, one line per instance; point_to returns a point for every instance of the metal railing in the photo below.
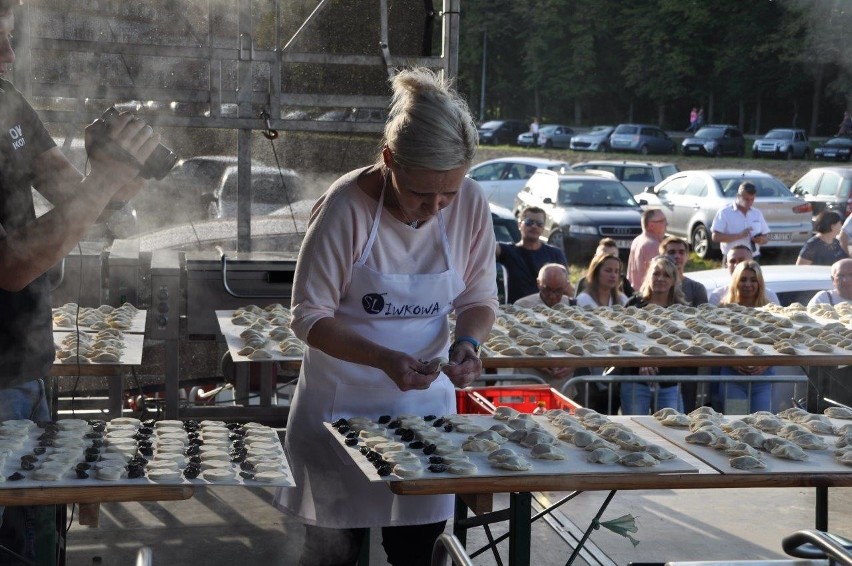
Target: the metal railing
pixel 611 379
pixel 448 546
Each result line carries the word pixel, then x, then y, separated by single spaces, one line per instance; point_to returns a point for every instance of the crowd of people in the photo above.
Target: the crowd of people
pixel 654 274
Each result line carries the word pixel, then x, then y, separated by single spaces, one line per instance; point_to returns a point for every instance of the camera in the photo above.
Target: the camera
pixel 158 164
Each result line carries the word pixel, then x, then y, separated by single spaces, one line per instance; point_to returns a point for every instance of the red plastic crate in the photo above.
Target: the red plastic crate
pixel 484 400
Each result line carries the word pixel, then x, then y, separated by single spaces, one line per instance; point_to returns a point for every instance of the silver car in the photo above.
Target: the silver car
pixel 503 178
pixel 690 200
pixel 782 142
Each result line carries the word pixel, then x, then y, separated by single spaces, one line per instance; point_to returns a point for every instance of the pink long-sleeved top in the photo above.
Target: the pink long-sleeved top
pixel 339 229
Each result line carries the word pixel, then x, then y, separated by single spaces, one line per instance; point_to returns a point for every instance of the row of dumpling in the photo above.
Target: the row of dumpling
pixel 607 442
pixel 103 317
pixel 78 347
pixel 261 345
pixel 275 314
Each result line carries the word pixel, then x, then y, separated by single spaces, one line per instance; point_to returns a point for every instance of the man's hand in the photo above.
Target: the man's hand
pixel 760 239
pixel 409 373
pixel 464 366
pixel 118 158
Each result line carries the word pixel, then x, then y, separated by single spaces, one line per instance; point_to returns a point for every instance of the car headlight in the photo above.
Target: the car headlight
pixel 710 146
pixel 843 151
pixel 582 230
pixel 754 147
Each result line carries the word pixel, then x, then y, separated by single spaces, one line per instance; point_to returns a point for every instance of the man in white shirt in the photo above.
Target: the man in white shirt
pixel 841 276
pixel 734 257
pixel 553 287
pixel 741 223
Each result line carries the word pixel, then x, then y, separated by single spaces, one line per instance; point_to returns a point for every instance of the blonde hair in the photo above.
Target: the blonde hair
pixel 429 125
pixel 675 293
pixel 733 295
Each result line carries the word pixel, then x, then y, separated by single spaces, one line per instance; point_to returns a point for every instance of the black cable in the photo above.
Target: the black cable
pixel 271 137
pixel 70 521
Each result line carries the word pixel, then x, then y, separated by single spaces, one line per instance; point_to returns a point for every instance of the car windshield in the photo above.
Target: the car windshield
pixel 559 167
pixel 839 141
pixel 779 135
pixel 575 192
pixel 766 186
pixel 599 131
pixel 627 130
pixel 709 133
pixel 490 125
pixel 547 129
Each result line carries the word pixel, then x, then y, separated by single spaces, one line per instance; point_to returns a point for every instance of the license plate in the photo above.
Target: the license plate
pixel 830 154
pixel 780 236
pixel 692 149
pixel 623 243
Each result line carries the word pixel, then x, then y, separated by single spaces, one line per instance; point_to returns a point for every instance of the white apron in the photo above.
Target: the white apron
pixel 405 312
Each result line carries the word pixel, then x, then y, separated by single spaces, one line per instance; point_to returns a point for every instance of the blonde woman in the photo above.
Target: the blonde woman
pixel 661 287
pixel 747 289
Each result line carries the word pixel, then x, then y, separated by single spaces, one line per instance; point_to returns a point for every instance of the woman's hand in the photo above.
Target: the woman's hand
pixel 649 371
pixel 409 373
pixel 752 370
pixel 464 366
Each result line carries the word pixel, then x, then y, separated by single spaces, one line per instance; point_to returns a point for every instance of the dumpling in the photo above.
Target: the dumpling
pixel 638 460
pixel 747 463
pixel 546 452
pixel 789 452
pixel 603 456
pixel 514 463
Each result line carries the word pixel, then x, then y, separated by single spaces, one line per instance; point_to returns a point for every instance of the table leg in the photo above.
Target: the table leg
pixel 592 526
pixel 459 515
pixel 241 393
pixel 116 394
pixel 821 511
pixel 520 528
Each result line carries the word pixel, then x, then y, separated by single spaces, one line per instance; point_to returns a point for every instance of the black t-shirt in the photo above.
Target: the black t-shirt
pixel 26 337
pixel 522 266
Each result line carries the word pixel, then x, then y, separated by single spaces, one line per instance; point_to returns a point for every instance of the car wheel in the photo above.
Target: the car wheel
pixel 741 152
pixel 789 155
pixel 643 150
pixel 700 241
pixel 807 155
pixel 603 148
pixel 717 152
pixel 548 144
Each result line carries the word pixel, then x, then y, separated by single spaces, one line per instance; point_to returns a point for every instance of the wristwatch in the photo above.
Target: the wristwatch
pixel 470 340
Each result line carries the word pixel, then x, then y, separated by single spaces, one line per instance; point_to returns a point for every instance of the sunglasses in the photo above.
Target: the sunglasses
pixel 530 222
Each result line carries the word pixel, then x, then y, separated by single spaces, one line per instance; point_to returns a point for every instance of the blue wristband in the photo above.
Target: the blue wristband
pixel 470 340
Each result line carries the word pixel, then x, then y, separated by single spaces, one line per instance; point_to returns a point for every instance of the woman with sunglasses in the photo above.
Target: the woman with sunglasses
pixel 391 249
pixel 661 287
pixel 603 283
pixel 749 290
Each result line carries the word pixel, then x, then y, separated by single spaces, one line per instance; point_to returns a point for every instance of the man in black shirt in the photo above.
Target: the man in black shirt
pixel 29 246
pixel 524 259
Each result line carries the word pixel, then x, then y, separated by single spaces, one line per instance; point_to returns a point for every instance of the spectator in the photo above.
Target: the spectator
pixel 602 283
pixel 553 287
pixel 677 250
pixel 534 132
pixel 694 294
pixel 524 259
pixel 29 247
pixel 699 120
pixel 693 117
pixel 662 286
pixel 749 290
pixel 734 257
pixel 845 233
pixel 607 246
pixel 845 126
pixel 646 245
pixel 824 248
pixel 740 222
pixel 841 277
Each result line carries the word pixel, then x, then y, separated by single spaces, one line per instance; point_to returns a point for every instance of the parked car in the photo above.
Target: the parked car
pixel 501 179
pixel 635 175
pixel 271 189
pixel 792 283
pixel 715 140
pixel 555 136
pixel 782 142
pixel 596 139
pixel 526 139
pixel 641 138
pixel 835 149
pixel 580 209
pixel 826 188
pixel 690 200
pixel 497 132
pixel 506 228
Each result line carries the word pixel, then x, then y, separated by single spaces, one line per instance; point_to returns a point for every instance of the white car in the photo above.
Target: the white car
pixel 502 179
pixel 792 283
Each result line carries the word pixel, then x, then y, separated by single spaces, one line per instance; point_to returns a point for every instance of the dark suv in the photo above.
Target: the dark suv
pixel 497 132
pixel 715 140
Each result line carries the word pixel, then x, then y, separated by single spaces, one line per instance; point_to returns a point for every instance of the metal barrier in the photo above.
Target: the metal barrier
pixel 145 557
pixel 610 379
pixel 448 546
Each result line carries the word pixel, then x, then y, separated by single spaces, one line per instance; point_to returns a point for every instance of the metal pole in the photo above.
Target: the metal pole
pixel 482 85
